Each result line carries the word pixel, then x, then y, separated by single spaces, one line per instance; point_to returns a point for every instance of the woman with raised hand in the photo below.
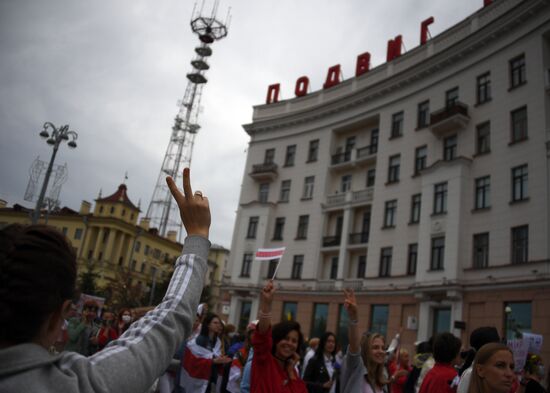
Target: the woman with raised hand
pixel 37 284
pixel 363 366
pixel 275 351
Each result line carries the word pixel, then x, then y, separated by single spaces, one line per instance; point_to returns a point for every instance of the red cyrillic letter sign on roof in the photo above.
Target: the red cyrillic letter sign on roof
pixel 302 85
pixel 273 93
pixel 424 30
pixel 363 63
pixel 394 48
pixel 333 76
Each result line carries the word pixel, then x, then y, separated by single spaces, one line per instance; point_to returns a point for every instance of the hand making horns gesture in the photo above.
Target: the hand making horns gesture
pixel 194 208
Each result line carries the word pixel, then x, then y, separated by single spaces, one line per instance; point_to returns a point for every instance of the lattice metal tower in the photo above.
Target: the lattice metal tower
pixel 162 211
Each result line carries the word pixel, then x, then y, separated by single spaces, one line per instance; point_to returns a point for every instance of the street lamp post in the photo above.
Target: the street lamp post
pixel 58 135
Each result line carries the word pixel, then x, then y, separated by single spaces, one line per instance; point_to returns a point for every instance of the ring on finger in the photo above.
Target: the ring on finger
pixel 198 193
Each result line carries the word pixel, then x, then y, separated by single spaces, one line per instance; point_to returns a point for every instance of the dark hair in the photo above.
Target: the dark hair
pixel 37 274
pixel 478 338
pixel 424 347
pixel 204 327
pixel 281 330
pixel 446 347
pixel 319 352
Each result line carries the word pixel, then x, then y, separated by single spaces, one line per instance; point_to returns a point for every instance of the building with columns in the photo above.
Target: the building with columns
pixel 423 184
pixel 109 240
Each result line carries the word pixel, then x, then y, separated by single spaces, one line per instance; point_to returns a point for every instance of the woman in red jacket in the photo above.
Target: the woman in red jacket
pixel 107 333
pixel 399 371
pixel 275 351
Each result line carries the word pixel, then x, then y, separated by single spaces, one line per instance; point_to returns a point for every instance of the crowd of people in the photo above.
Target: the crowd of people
pixel 179 347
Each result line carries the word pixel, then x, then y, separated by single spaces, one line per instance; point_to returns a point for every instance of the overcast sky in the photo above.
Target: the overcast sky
pixel 115 70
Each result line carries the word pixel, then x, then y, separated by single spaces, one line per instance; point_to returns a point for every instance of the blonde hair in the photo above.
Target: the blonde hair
pixel 482 357
pixel 375 371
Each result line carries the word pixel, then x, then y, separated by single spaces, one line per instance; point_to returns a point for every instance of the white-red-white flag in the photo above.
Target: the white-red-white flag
pixel 267 254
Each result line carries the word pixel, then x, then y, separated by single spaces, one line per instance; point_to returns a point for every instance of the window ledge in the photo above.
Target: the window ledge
pixel 438 214
pixel 308 161
pixel 421 127
pixel 288 165
pixel 389 183
pixel 413 223
pixel 517 86
pixel 388 227
pixel 300 238
pixel 435 270
pixel 392 137
pixel 518 201
pixel 480 209
pixel 511 143
pixel 478 104
pixel 483 153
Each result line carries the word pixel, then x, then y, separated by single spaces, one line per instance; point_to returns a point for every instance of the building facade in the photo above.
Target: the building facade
pixel 110 243
pixel 423 184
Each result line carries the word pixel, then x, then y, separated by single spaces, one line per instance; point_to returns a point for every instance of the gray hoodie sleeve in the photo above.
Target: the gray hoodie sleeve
pixel 143 352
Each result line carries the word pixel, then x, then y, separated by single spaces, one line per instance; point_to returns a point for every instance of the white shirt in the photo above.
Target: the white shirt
pixel 464 383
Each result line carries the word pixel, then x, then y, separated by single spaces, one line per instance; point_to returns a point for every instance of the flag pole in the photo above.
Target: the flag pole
pixel 276 268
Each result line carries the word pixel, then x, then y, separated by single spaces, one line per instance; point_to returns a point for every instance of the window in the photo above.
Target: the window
pixel 78 233
pixel 423 114
pixel 449 148
pixel 481 250
pixel 279 227
pixel 519 125
pixel 412 258
pixel 483 192
pixel 451 97
pixel 416 201
pixel 441 320
pixel 345 183
pixel 374 140
pixel 379 319
pixel 271 268
pixel 517 71
pixel 518 317
pixel 156 253
pixel 334 268
pixel 397 125
pixel 143 266
pixel 101 209
pixel 247 264
pixel 319 323
pixel 313 150
pixel 133 265
pixel 269 156
pixel 520 244
pixel 123 212
pixel 244 315
pixel 484 88
pixel 362 266
pixel 252 227
pixel 263 193
pixel 112 210
pixel 440 198
pixel 385 262
pixel 483 138
pixel 146 251
pixel 371 176
pixel 303 222
pixel 290 155
pixel 519 183
pixel 297 265
pixel 137 247
pixel 420 158
pixel 285 191
pixel 308 187
pixel 393 168
pixel 350 143
pixel 389 213
pixel 438 253
pixel 289 311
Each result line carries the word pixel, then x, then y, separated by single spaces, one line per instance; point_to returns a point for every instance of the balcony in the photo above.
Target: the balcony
pixel 264 172
pixel 354 157
pixel 350 197
pixel 450 118
pixel 331 241
pixel 358 238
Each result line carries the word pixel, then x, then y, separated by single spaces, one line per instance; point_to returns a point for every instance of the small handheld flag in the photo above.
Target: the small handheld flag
pixel 268 254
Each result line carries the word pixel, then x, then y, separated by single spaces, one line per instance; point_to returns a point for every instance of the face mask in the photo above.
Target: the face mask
pixel 126 318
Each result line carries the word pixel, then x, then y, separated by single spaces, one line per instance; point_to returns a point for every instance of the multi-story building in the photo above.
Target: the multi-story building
pixel 110 243
pixel 423 184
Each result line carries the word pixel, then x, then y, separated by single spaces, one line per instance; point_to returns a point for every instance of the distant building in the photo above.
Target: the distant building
pixel 109 242
pixel 422 184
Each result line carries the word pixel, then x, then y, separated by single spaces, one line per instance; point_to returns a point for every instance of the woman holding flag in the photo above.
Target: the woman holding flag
pixel 275 351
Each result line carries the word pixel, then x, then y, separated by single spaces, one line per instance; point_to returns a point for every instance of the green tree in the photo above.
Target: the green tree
pixel 87 282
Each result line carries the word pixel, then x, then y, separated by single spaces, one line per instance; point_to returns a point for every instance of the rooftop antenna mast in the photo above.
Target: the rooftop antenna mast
pixel 162 211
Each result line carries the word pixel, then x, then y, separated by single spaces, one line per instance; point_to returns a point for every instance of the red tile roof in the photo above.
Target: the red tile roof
pixel 119 196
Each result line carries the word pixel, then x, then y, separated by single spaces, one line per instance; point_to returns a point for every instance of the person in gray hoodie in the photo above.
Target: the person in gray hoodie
pixel 37 280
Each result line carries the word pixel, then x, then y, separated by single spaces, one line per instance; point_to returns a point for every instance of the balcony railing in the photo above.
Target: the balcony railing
pixel 451 117
pixel 362 195
pixel 350 197
pixel 331 241
pixel 339 158
pixel 359 238
pixel 366 151
pixel 265 171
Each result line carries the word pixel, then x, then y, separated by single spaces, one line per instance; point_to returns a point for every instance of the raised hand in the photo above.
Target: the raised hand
pixel 194 208
pixel 266 296
pixel 350 304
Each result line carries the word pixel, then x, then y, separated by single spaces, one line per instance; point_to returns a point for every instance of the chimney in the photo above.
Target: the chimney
pixel 144 223
pixel 3 203
pixel 172 236
pixel 85 208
